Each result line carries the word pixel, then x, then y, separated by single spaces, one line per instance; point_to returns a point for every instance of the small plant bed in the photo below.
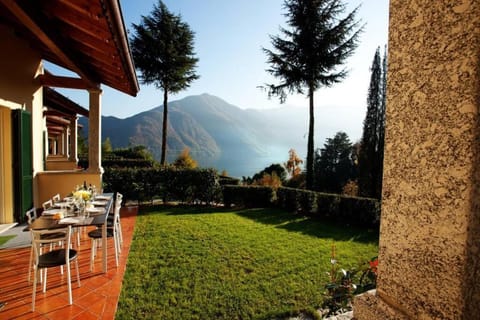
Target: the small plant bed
pixel 210 263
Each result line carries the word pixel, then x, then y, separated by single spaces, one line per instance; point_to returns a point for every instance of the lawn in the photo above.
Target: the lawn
pixel 199 263
pixel 4 239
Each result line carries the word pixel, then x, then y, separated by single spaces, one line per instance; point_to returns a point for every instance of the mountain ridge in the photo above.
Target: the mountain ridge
pixel 218 134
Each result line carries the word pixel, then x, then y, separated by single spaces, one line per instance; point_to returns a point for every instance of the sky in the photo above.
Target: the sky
pixel 229 37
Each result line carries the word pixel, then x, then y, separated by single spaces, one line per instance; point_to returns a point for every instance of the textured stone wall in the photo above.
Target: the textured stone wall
pixel 429 239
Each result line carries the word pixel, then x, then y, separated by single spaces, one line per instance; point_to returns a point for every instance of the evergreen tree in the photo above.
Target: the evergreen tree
pixel 308 56
pixel 276 168
pixel 372 144
pixel 334 164
pixel 162 48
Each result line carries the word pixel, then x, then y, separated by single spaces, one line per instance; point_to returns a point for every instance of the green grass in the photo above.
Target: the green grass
pixel 189 263
pixel 4 239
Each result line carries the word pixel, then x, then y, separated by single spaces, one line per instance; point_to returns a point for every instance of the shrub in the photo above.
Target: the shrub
pixel 357 211
pixel 287 199
pixel 248 196
pixel 146 184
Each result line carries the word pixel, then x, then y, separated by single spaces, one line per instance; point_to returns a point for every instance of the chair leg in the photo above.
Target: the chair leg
pixel 92 254
pixel 78 237
pixel 69 284
pixel 120 234
pixel 35 271
pixel 44 280
pixel 115 244
pixel 30 264
pixel 78 273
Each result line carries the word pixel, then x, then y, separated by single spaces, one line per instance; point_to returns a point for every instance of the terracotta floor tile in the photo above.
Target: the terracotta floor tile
pixel 86 315
pixel 66 312
pixel 90 299
pixel 97 297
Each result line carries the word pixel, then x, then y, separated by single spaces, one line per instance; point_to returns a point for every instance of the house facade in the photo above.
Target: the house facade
pixel 38 126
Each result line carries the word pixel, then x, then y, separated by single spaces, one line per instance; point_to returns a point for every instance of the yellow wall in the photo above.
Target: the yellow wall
pixel 6 183
pixel 19 65
pixel 50 183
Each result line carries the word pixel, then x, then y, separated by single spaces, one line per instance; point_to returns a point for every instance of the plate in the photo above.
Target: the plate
pixel 61 204
pixel 99 203
pixel 95 209
pixel 102 198
pixel 51 212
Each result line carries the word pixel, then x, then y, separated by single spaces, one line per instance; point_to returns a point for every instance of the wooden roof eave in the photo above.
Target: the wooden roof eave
pixel 42 23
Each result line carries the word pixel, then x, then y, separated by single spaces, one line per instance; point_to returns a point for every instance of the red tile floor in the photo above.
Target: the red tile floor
pixel 97 297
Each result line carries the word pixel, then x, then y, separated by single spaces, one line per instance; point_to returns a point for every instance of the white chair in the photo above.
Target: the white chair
pixel 112 232
pixel 47 204
pixel 118 202
pixel 56 198
pixel 54 258
pixel 31 216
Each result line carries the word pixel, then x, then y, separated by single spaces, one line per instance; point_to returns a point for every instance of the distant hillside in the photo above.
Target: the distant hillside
pixel 219 134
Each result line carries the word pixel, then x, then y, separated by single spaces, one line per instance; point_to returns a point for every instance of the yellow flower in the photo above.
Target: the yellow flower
pixel 84 195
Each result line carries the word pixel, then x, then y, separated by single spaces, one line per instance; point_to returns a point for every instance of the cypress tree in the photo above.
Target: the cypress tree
pixel 370 159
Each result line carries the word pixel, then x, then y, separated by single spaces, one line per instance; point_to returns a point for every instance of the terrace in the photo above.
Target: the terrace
pixel 429 241
pixel 96 298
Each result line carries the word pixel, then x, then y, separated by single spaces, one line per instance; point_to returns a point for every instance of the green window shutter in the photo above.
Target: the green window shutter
pixel 22 163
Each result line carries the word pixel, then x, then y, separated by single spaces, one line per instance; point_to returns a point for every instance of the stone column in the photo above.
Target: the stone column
pixel 65 148
pixel 95 132
pixel 429 259
pixel 73 156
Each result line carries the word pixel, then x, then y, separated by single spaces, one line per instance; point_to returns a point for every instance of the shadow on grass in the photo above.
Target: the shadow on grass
pixel 181 209
pixel 310 226
pixel 280 219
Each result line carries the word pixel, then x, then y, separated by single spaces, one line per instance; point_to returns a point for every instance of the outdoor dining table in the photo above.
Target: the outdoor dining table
pixel 98 219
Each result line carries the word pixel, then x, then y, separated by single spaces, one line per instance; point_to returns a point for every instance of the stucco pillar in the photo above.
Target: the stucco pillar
pixel 429 257
pixel 94 132
pixel 65 149
pixel 73 156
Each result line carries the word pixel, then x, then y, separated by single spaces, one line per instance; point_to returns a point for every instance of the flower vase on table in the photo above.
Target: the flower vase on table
pixel 82 198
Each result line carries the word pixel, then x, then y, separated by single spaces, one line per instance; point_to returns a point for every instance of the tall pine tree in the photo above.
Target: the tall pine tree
pixel 370 159
pixel 310 53
pixel 162 48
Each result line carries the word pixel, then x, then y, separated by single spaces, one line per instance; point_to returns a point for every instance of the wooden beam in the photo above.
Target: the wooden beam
pixel 51 80
pixel 35 29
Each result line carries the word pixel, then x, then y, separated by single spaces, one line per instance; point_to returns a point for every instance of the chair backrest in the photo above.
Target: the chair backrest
pixel 40 238
pixel 118 206
pixel 47 204
pixel 31 215
pixel 56 198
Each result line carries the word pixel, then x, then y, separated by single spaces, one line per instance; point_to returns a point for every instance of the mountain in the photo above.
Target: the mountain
pixel 218 134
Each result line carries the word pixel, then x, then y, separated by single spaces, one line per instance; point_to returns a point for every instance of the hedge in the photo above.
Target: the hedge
pixel 169 184
pixel 248 196
pixel 358 211
pixel 344 209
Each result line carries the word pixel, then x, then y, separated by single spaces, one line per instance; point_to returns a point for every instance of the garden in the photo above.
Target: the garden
pixel 215 263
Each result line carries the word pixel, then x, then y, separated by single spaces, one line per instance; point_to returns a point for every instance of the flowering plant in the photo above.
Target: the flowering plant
pixel 84 195
pixel 344 284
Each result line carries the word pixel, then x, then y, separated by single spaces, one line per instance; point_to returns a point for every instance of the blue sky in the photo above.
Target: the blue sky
pixel 229 36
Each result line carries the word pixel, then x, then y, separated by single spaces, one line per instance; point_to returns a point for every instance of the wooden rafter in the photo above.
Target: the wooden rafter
pixel 21 15
pixel 50 80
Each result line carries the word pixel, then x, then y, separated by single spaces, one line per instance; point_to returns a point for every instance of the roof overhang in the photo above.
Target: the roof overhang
pixel 59 105
pixel 87 37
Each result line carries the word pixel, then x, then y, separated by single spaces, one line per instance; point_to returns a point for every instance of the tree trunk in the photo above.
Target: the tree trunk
pixel 164 127
pixel 309 182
